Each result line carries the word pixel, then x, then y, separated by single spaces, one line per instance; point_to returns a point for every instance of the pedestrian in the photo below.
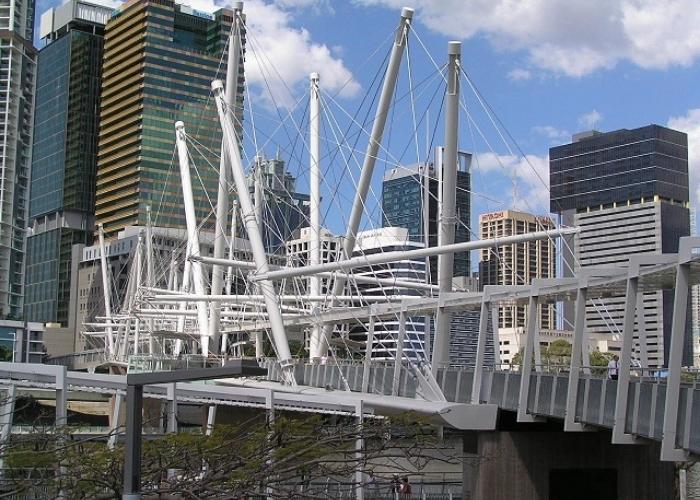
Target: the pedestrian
pixel 395 484
pixel 614 367
pixel 405 488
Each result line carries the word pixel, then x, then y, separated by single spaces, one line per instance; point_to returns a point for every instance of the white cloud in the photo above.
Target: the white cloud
pixel 281 56
pixel 573 37
pixel 528 176
pixel 690 124
pixel 519 74
pixel 590 120
pixel 554 134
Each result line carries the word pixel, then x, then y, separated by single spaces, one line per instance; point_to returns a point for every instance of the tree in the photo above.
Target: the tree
pixel 291 457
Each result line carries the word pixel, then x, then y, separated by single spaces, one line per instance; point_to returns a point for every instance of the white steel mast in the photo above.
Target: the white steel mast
pixel 315 207
pixel 446 234
pixel 106 290
pixel 256 243
pixel 222 199
pixel 370 159
pixel 192 235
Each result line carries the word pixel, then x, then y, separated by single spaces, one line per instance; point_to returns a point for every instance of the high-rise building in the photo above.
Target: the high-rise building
pixel 284 211
pixel 517 264
pixel 628 193
pixel 386 331
pixel 159 61
pixel 410 200
pixel 17 84
pixel 298 253
pixel 64 154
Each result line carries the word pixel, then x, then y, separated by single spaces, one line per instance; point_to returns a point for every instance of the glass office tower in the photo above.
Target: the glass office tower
pixel 64 155
pixel 17 74
pixel 628 193
pixel 159 61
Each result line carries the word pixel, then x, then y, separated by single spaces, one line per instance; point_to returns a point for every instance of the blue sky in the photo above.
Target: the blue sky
pixel 548 68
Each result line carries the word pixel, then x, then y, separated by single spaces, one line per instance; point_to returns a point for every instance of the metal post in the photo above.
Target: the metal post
pixel 480 349
pixel 642 333
pixel 570 424
pixel 359 453
pixel 211 420
pixel 106 290
pixel 369 345
pixel 149 271
pixel 137 322
pixel 171 396
pixel 370 158
pixel 669 452
pixel 496 339
pixel 132 459
pixel 114 424
pixel 256 243
pixel 192 233
pixel 6 420
pixel 526 368
pixel 446 234
pixel 399 354
pixel 623 369
pixel 232 246
pixel 314 207
pixel 222 201
pixel 61 397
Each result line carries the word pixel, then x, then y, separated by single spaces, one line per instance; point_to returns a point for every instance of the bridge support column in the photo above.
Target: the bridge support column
pixel 171 408
pixel 669 451
pixel 623 383
pixel 526 366
pixel 570 424
pixel 115 419
pixel 398 362
pixel 61 397
pixel 359 454
pixel 480 350
pixel 368 355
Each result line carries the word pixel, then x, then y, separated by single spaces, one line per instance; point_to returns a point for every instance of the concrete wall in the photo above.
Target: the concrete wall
pixel 527 464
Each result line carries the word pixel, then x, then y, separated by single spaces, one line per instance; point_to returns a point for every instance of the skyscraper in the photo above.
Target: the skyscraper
pixel 386 331
pixel 628 192
pixel 64 155
pixel 410 200
pixel 17 82
pixel 159 61
pixel 517 264
pixel 284 211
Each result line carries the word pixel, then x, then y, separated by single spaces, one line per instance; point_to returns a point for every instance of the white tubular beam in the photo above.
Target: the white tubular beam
pixel 448 186
pixel 315 206
pixel 389 282
pixel 137 322
pixel 106 289
pixel 192 233
pixel 234 299
pixel 256 243
pixel 386 257
pixel 375 139
pixel 222 201
pixel 231 247
pixel 171 271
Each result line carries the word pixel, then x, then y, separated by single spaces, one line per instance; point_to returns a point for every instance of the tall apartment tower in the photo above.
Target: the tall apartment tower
pixel 628 192
pixel 159 61
pixel 17 83
pixel 517 264
pixel 410 200
pixel 64 155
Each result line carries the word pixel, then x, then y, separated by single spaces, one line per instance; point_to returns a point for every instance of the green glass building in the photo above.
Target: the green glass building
pixel 64 154
pixel 159 61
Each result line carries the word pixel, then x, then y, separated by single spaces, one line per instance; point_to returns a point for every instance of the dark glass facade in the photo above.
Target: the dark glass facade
pixel 402 206
pixel 62 196
pixel 616 167
pixel 160 59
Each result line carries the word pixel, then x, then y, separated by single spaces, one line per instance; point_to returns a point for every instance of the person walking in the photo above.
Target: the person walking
pixel 614 367
pixel 405 489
